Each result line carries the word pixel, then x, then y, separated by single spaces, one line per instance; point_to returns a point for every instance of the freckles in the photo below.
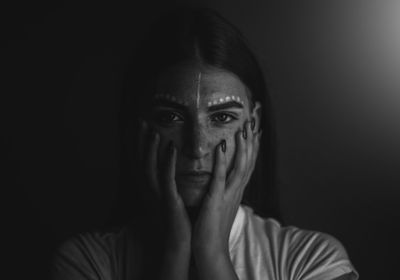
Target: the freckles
pixel 219 134
pixel 229 136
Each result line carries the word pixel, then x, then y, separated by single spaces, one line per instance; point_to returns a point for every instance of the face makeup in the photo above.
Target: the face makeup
pixel 224 100
pixel 170 98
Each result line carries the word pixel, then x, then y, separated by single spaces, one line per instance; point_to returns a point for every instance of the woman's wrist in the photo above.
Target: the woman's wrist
pixel 210 255
pixel 176 263
pixel 175 245
pixel 217 266
pixel 209 249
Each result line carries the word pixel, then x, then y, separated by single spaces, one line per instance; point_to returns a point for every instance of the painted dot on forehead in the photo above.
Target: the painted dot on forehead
pixel 221 100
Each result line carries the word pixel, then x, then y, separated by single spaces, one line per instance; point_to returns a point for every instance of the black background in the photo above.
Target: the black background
pixel 331 68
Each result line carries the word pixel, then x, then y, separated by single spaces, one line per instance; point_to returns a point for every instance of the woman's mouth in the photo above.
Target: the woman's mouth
pixel 195 176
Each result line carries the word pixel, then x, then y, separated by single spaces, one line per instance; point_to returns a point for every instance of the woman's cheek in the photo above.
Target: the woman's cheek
pixel 167 135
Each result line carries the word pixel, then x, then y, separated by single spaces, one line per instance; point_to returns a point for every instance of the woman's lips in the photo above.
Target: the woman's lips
pixel 195 176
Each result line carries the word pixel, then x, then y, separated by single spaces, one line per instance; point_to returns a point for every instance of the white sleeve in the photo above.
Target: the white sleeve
pixel 317 256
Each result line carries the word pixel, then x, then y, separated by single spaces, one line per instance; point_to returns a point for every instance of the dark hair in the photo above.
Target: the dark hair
pixel 201 35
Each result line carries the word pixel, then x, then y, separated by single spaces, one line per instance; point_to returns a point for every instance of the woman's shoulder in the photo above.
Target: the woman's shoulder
pixel 97 239
pixel 82 254
pixel 301 250
pixel 293 235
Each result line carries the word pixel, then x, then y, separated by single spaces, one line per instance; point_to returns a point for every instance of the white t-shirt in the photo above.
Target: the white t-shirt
pixel 259 248
pixel 262 249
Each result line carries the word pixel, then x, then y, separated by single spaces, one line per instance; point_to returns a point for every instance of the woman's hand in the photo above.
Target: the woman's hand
pixel 210 239
pixel 161 176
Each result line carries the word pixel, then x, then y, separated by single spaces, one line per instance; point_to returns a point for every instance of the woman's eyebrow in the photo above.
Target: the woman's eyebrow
pixel 169 103
pixel 226 105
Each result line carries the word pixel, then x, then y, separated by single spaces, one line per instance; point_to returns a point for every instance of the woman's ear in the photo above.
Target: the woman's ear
pixel 256 115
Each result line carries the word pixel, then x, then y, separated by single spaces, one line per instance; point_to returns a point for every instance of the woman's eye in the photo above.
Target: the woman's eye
pixel 223 118
pixel 168 117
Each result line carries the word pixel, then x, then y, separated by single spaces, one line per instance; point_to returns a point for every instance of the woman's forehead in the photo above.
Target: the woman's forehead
pixel 200 86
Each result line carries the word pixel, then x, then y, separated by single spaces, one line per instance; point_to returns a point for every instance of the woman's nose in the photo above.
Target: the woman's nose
pixel 197 142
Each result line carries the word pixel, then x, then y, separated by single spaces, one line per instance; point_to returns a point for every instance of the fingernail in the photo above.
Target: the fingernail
pixel 223 145
pixel 253 123
pixel 244 132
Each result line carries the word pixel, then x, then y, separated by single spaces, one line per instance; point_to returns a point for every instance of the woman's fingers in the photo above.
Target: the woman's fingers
pixel 248 138
pixel 253 153
pixel 148 153
pixel 250 148
pixel 247 146
pixel 256 148
pixel 169 175
pixel 152 163
pixel 249 141
pixel 160 174
pixel 239 162
pixel 218 180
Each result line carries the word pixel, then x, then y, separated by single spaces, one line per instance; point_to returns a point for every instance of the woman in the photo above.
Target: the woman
pixel 198 203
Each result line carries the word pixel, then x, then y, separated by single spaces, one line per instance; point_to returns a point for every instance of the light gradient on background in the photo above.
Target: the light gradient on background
pixel 333 69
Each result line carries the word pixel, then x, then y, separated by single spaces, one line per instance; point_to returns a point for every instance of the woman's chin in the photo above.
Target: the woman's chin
pixel 192 195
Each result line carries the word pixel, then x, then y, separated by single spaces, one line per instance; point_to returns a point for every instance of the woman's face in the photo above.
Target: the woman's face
pixel 197 107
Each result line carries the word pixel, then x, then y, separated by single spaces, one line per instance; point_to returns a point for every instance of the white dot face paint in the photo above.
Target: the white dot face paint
pixel 225 99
